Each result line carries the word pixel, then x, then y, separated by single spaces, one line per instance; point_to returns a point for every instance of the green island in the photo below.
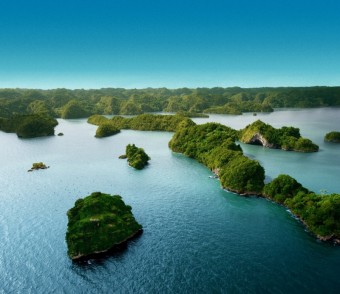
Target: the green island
pixel 192 114
pixel 98 223
pixel 80 103
pixel 286 138
pixel 37 166
pixel 136 157
pixel 105 130
pixel 29 126
pixel 333 137
pixel 142 122
pixel 214 146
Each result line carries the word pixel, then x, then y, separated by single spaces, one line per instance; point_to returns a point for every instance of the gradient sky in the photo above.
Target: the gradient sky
pixel 156 43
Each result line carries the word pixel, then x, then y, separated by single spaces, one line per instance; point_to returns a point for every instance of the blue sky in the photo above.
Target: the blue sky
pixel 137 44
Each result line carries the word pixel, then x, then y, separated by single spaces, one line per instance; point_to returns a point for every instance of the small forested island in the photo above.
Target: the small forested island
pixel 214 145
pixel 38 165
pixel 136 157
pixel 286 138
pixel 105 130
pixel 98 223
pixel 333 137
pixel 29 126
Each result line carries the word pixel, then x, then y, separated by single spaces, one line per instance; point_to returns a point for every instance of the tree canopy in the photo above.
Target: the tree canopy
pixel 29 126
pixel 97 223
pixel 286 138
pixel 78 103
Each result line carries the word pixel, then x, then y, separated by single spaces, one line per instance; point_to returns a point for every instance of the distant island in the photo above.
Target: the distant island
pixel 98 223
pixel 136 157
pixel 333 137
pixel 80 103
pixel 106 130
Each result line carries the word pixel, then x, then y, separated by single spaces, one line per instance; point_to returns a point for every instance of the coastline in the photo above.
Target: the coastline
pixel 113 248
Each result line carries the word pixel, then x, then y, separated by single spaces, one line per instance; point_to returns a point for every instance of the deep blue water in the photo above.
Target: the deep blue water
pixel 197 237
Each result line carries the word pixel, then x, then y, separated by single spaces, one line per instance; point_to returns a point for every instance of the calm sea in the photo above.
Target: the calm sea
pixel 197 237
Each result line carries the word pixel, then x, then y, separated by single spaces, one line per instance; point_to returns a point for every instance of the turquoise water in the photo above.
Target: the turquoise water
pixel 197 238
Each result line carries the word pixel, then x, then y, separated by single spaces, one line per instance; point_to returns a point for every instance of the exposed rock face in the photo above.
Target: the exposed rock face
pixel 258 139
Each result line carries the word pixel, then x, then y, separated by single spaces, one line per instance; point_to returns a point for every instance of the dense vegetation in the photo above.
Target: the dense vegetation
pixel 136 157
pixel 333 137
pixel 97 223
pixel 29 126
pixel 286 138
pixel 105 130
pixel 143 122
pixel 83 103
pixel 320 213
pixel 214 145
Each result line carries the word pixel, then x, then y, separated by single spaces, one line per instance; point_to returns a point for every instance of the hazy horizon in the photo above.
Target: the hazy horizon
pixel 133 44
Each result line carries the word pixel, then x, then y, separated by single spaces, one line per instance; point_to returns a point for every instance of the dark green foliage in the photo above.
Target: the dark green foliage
pixel 108 105
pixel 283 187
pixel 74 109
pixel 136 101
pixel 97 223
pixel 143 122
pixel 333 137
pixel 238 106
pixel 243 175
pixel 136 157
pixel 286 138
pixel 29 126
pixel 152 122
pixel 321 213
pixel 105 130
pixel 214 145
pixel 97 119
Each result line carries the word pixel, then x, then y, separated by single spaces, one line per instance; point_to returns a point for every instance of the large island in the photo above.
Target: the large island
pixel 214 145
pixel 29 126
pixel 97 224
